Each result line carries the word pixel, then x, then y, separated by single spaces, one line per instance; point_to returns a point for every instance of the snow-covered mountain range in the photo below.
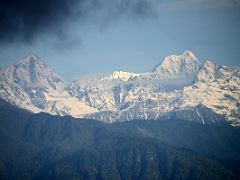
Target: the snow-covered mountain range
pixel 179 82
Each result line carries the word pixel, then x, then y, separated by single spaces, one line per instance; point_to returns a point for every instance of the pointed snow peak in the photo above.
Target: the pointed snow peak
pixel 31 72
pixel 209 63
pixel 207 72
pixel 178 65
pixel 33 56
pixel 190 57
pixel 186 57
pixel 31 59
pixel 188 53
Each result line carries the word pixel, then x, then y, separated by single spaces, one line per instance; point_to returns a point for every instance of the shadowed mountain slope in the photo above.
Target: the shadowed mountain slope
pixel 42 146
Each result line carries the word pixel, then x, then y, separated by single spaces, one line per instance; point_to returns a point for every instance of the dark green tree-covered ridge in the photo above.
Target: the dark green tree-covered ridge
pixel 41 146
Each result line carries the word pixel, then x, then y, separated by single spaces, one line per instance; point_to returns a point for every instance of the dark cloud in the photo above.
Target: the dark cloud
pixel 23 20
pixel 26 20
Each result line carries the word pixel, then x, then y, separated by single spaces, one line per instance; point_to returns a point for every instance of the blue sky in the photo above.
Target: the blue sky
pixel 208 28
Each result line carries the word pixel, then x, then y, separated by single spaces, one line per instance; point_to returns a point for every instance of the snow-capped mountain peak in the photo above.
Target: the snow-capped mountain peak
pixel 31 57
pixel 207 72
pixel 177 66
pixel 190 54
pixel 121 75
pixel 31 84
pixel 32 72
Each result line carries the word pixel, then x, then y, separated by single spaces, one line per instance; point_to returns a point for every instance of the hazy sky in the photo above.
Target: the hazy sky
pixel 78 37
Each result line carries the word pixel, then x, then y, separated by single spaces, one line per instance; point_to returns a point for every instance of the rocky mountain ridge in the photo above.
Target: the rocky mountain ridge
pixel 179 82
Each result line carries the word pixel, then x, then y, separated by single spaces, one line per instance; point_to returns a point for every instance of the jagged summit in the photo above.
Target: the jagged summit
pixel 31 71
pixel 176 66
pixel 188 53
pixel 207 72
pixel 31 58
